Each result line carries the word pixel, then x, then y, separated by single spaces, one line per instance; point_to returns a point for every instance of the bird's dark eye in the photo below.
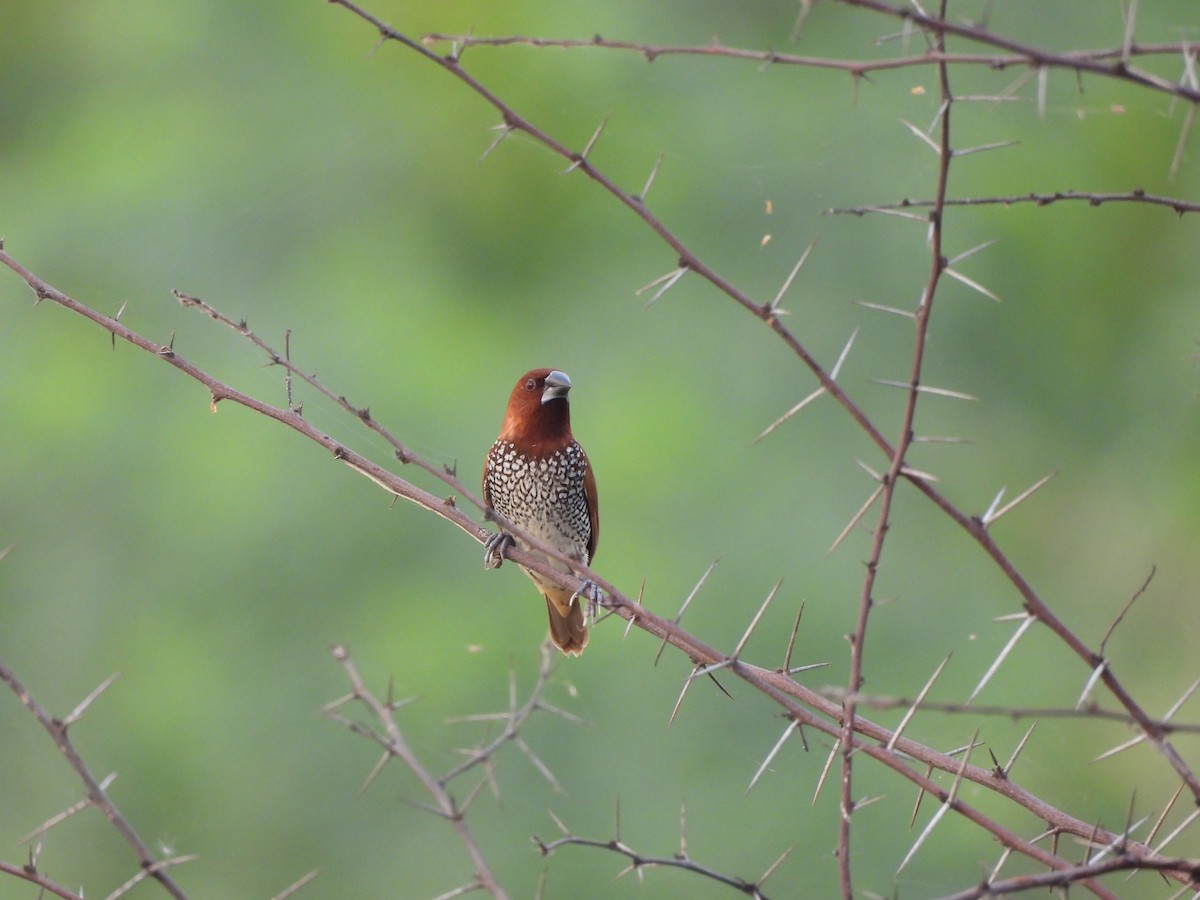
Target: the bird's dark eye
pixel 531 384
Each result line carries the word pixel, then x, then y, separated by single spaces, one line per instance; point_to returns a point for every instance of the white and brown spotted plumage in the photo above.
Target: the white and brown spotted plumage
pixel 538 477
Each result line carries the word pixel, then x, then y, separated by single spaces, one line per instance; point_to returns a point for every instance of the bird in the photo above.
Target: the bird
pixel 537 476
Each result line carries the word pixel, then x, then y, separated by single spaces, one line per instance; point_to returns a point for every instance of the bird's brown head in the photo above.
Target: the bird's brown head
pixel 538 416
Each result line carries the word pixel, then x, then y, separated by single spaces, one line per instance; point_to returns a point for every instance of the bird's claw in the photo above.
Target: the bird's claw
pixel 590 592
pixel 494 548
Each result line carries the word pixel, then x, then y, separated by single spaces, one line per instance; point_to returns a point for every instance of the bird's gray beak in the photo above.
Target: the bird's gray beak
pixel 557 385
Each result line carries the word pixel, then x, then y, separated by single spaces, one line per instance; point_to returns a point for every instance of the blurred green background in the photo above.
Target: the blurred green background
pixel 262 157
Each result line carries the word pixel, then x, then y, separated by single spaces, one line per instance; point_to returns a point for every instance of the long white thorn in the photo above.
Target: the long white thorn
pixel 792 726
pixel 1027 620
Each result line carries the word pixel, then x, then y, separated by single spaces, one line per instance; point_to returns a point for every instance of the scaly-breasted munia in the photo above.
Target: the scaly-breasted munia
pixel 538 478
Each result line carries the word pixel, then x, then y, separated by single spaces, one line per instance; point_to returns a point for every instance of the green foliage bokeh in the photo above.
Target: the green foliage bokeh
pixel 262 157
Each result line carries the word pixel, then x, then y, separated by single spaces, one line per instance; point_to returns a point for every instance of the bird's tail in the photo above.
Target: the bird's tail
pixel 568 628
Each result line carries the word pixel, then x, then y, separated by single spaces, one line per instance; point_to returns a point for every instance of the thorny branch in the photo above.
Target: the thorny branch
pixel 640 862
pixel 1106 62
pixel 802 705
pixel 1090 198
pixel 385 731
pixel 896 465
pixel 29 872
pixel 689 262
pixel 97 795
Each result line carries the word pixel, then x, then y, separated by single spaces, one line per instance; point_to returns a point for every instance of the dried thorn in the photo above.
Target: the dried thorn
pixel 772 308
pixel 77 713
pixel 558 823
pixel 825 771
pixel 972 283
pixel 990 514
pixel 787 415
pixel 887 309
pixel 1178 830
pixel 792 726
pixel 867 801
pixel 1119 841
pixel 1163 815
pixel 917 474
pixel 775 865
pixel 54 820
pixel 939 439
pixel 1024 495
pixel 378 767
pixel 1012 760
pixel 937 817
pixel 1027 620
pixel 807 668
pixel 787 656
pixel 854 520
pixel 837 366
pixel 1011 617
pixel 538 764
pixel 1185 131
pixel 687 684
pixel 925 389
pixel 581 158
pixel 667 281
pixel 461 891
pixel 687 602
pixel 805 8
pixel 595 137
pixel 1129 823
pixel 117 318
pixel 1182 700
pixel 737 651
pixel 486 781
pixel 561 713
pixel 950 798
pixel 1091 683
pixel 504 131
pixel 982 148
pixel 985 98
pixel 995 873
pixel 650 180
pixel 1132 742
pixel 296 885
pixel 1129 14
pixel 148 871
pixel 335 705
pixel 912 710
pixel 972 251
pixel 912 820
pixel 683 854
pixel 923 136
pixel 633 617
